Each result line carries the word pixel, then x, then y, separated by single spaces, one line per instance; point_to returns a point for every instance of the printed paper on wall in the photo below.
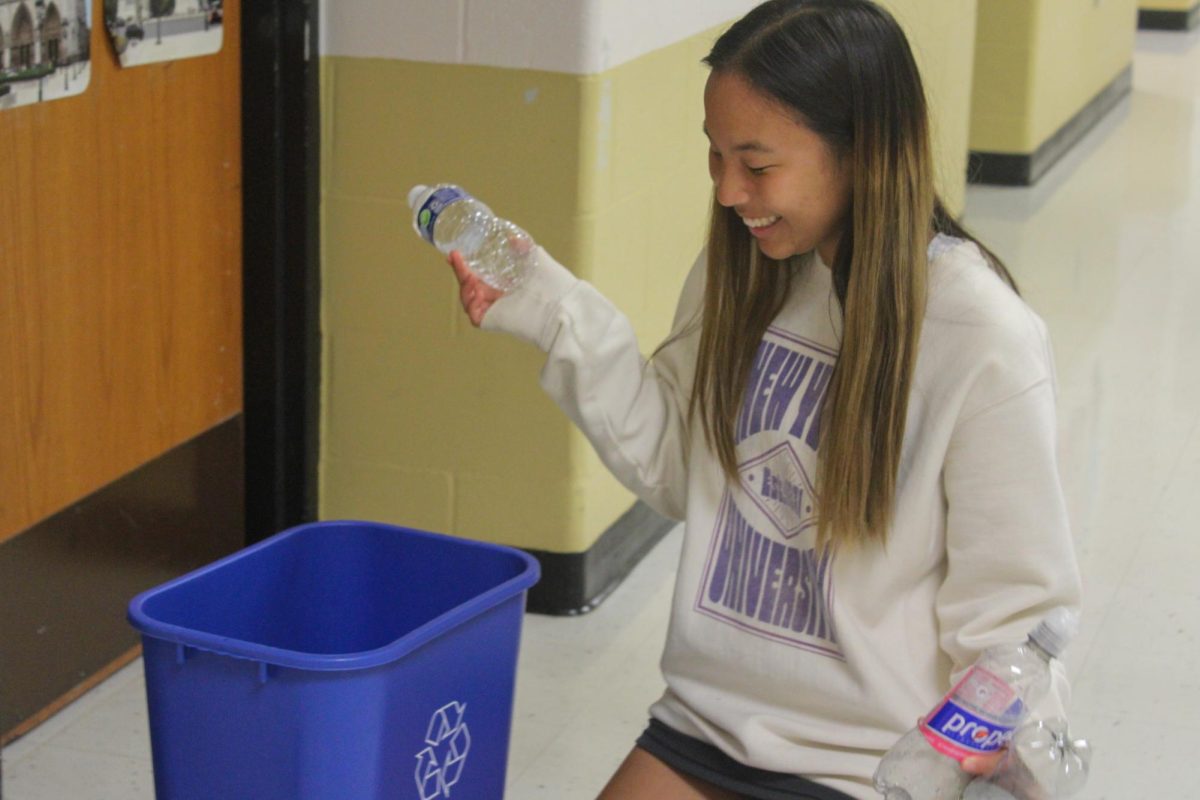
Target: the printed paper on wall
pixel 44 50
pixel 148 31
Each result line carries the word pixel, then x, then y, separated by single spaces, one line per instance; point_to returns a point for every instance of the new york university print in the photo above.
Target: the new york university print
pixel 763 573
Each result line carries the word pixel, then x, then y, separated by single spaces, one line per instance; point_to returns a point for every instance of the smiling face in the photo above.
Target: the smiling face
pixel 783 180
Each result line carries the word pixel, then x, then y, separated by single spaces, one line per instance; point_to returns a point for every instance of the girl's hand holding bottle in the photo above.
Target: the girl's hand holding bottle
pixel 476 296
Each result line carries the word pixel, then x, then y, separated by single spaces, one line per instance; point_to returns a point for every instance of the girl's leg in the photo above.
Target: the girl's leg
pixel 643 777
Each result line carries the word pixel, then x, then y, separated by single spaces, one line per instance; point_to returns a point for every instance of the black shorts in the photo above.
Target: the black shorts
pixel 701 760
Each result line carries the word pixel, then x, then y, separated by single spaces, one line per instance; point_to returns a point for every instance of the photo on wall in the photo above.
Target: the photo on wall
pixel 44 50
pixel 149 31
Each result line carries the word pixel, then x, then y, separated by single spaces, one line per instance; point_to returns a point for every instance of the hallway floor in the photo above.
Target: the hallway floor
pixel 1107 249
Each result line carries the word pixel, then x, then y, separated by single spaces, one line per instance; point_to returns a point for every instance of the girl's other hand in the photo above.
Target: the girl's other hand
pixel 476 296
pixel 982 766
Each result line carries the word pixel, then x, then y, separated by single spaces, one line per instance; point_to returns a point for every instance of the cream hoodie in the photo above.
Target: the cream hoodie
pixel 782 659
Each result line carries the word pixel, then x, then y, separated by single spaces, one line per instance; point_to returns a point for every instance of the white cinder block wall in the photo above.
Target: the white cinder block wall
pixel 581 37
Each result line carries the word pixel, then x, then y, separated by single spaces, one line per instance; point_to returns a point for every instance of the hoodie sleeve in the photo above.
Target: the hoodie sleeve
pixel 1010 553
pixel 632 409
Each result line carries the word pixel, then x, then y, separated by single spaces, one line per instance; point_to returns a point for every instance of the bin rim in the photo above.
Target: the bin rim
pixel 331 662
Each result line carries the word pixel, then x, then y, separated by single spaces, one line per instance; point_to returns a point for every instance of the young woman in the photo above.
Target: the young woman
pixel 854 415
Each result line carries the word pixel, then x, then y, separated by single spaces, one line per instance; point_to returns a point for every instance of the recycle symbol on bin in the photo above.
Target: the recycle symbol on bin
pixel 440 765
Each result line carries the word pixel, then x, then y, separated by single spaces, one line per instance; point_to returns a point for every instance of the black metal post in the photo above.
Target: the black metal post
pixel 280 289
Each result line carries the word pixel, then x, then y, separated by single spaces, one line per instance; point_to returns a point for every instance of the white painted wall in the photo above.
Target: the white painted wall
pixel 582 37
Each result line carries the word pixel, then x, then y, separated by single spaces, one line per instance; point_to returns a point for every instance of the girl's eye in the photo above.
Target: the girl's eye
pixel 757 170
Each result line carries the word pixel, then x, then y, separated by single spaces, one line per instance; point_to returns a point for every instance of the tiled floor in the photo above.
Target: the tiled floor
pixel 1107 248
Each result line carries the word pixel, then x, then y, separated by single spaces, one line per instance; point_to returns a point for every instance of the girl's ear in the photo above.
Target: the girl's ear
pixel 845 167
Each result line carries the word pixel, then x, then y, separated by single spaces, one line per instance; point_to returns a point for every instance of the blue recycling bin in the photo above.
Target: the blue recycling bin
pixel 336 660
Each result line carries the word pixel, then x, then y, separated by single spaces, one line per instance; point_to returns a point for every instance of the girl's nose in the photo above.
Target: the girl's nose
pixel 730 191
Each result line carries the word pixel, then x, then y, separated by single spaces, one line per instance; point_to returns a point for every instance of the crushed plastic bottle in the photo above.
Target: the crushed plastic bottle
pixel 1043 762
pixel 498 251
pixel 977 717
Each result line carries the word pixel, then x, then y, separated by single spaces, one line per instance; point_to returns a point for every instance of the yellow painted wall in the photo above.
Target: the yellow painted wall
pixel 1168 5
pixel 427 422
pixel 1038 62
pixel 941 34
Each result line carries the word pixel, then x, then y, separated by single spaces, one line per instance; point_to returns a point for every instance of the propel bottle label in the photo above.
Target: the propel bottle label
pixel 433 206
pixel 978 716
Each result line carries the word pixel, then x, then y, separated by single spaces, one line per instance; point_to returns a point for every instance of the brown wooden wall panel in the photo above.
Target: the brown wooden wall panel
pixel 120 273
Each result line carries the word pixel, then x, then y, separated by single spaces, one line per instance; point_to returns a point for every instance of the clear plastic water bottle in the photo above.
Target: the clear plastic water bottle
pixel 1043 762
pixel 977 716
pixel 498 251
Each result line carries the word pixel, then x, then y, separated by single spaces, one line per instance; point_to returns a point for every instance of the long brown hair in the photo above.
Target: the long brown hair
pixel 844 68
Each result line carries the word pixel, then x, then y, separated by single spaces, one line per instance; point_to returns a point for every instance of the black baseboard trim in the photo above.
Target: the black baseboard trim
pixel 575 583
pixel 1150 20
pixel 69 578
pixel 1024 169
